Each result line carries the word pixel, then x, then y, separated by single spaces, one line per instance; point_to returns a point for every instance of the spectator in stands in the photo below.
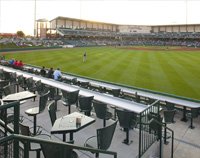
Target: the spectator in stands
pixel 20 63
pixel 43 71
pixel 50 73
pixel 84 57
pixel 12 61
pixel 15 63
pixel 3 61
pixel 57 74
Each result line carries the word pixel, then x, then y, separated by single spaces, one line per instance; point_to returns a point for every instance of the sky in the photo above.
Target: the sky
pixel 18 15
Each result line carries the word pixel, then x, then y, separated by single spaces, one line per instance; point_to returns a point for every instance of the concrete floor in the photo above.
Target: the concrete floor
pixel 186 141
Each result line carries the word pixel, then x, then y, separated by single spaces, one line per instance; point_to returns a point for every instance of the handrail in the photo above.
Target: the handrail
pixel 162 124
pixel 28 139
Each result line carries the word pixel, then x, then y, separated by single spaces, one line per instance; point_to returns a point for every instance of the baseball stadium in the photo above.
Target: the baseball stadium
pixel 96 89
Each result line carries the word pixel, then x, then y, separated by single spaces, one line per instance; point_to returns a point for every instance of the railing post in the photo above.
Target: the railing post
pixel 16 129
pixel 140 135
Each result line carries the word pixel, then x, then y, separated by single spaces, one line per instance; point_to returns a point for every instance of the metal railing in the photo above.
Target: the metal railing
pixel 150 129
pixel 26 140
pixel 147 136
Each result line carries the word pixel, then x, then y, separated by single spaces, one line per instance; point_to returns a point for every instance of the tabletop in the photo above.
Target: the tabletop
pixel 19 96
pixel 69 123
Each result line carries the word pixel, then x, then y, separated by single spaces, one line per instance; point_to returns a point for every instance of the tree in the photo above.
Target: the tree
pixel 20 34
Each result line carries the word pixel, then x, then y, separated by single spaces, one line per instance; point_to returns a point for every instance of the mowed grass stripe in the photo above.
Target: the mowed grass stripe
pixel 176 79
pixel 145 69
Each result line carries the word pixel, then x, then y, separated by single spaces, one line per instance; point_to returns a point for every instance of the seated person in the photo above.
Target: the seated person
pixel 3 61
pixel 50 73
pixel 43 71
pixel 57 74
pixel 15 63
pixel 12 61
pixel 20 63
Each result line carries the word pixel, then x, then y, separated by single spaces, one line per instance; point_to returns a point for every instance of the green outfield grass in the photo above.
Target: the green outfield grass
pixel 170 72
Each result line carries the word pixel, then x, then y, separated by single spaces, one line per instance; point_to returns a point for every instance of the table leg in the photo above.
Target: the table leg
pixel 184 119
pixel 71 136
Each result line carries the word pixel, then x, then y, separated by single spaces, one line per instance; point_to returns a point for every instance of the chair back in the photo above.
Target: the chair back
pixel 39 86
pixel 105 136
pixel 43 101
pixel 194 112
pixel 13 77
pixel 52 151
pixel 3 84
pixel 24 130
pixel 21 80
pixel 100 109
pixel 84 84
pixel 169 106
pixel 74 81
pixel 67 80
pixel 71 97
pixel 85 103
pixel 29 82
pixel 126 118
pixel 52 92
pixel 9 89
pixel 52 112
pixel 116 92
pixel 169 116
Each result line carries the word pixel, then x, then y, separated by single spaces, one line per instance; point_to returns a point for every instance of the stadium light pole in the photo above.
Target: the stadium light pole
pixel 35 20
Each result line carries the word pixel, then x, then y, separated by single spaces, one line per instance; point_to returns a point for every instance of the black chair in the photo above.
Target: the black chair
pixel 52 112
pixel 53 151
pixel 70 98
pixel 9 89
pixel 25 130
pixel 126 121
pixel 40 87
pixel 85 104
pixel 103 138
pixel 22 82
pixel 37 110
pixel 154 127
pixel 31 85
pixel 74 81
pixel 54 96
pixel 194 113
pixel 3 84
pixel 13 80
pixel 101 111
pixel 84 84
pixel 168 119
pixel 67 80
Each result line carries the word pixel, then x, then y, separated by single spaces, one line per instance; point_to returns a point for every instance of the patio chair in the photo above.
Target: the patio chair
pixel 54 96
pixel 84 84
pixel 37 110
pixel 25 130
pixel 103 138
pixel 194 113
pixel 22 82
pixel 52 151
pixel 101 111
pixel 31 85
pixel 52 112
pixel 85 104
pixel 126 121
pixel 70 98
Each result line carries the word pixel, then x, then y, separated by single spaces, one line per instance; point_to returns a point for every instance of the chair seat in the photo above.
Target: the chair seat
pixel 56 97
pixel 32 111
pixel 108 115
pixel 66 103
pixel 91 142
